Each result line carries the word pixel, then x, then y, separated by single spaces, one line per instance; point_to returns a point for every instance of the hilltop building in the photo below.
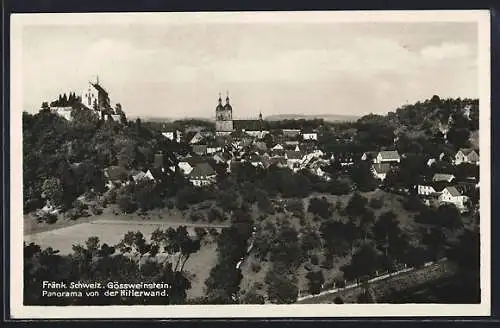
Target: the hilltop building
pixel 96 97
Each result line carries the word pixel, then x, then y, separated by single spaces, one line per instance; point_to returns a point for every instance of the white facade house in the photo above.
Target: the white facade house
pixel 466 155
pixel 425 190
pixel 202 175
pixel 173 135
pixel 451 195
pixel 185 167
pixel 310 136
pixel 257 133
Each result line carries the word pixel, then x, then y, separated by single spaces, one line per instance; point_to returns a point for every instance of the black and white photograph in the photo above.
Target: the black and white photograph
pixel 282 164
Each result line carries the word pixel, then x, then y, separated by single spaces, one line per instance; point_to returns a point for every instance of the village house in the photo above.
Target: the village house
pixel 291 133
pixel 425 189
pixel 141 176
pixel 278 153
pixel 258 134
pixel 194 138
pixel 280 162
pixel 187 164
pixel 310 136
pixel 466 155
pixel 388 156
pixel 173 135
pixel 344 159
pixel 451 195
pixel 278 147
pixel 443 177
pixel 116 176
pixel 200 150
pixel 293 158
pixel 380 170
pixel 202 174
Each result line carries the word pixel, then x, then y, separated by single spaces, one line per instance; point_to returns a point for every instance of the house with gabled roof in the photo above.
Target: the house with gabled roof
pixel 195 138
pixel 380 170
pixel 451 195
pixel 278 147
pixel 202 174
pixel 443 177
pixel 466 155
pixel 388 156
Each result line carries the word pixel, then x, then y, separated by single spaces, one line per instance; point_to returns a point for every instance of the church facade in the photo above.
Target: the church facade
pixel 223 118
pixel 225 124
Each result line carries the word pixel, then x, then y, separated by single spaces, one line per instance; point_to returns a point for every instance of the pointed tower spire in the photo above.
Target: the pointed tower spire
pixel 227 97
pixel 97 79
pixel 220 99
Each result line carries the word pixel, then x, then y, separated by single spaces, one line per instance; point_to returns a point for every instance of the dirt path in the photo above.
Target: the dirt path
pixel 404 279
pixel 157 217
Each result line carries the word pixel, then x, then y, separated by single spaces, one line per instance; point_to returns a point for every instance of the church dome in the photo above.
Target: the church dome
pixel 219 105
pixel 228 107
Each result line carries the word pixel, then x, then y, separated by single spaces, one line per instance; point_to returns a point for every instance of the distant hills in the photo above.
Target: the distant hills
pixel 278 117
pixel 326 117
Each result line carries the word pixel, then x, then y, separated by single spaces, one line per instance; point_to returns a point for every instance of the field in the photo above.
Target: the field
pixel 112 230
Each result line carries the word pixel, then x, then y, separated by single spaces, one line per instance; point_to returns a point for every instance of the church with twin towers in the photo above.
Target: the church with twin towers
pixel 225 124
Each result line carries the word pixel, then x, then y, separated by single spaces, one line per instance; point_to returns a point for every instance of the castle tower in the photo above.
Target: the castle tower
pixel 223 117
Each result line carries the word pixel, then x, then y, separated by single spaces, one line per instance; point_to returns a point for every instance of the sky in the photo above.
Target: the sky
pixel 176 68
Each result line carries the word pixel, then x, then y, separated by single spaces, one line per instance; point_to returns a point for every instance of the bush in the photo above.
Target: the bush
pixel 170 204
pixel 200 232
pixel 376 203
pixel 95 209
pixel 196 216
pixel 338 300
pixel 73 214
pixel 109 197
pixel 126 203
pixel 214 215
pixel 314 259
pixel 255 267
pixel 47 218
pixel 413 204
pixel 213 232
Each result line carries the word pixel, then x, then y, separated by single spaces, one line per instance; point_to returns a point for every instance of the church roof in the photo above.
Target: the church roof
pixel 250 125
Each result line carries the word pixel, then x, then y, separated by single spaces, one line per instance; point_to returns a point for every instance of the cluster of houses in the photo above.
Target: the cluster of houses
pixel 299 150
pixel 441 188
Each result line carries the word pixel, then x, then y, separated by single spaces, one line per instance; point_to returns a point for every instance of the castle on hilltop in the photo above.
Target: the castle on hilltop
pixel 94 97
pixel 225 124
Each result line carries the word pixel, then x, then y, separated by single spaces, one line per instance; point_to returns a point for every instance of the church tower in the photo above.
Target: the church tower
pixel 223 117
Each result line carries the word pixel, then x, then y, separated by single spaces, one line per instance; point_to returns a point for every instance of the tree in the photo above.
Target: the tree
pixel 356 205
pixel 281 289
pixel 52 190
pixel 315 281
pixel 319 206
pixel 364 262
